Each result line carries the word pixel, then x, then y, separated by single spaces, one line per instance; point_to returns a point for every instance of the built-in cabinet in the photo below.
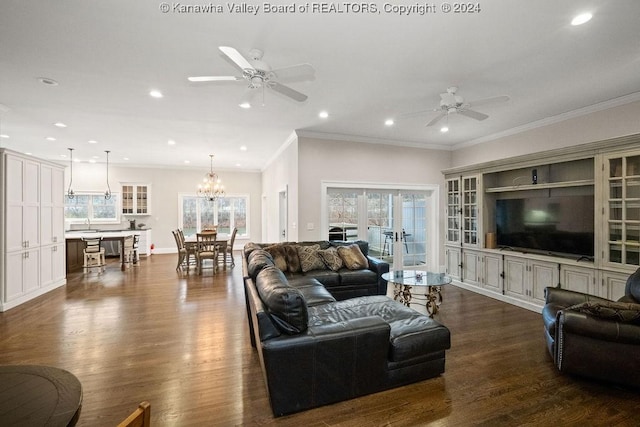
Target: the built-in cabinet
pixel 608 171
pixel 136 199
pixel 32 221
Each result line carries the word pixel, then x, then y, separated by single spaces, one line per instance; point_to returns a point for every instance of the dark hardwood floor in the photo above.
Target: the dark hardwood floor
pixel 181 342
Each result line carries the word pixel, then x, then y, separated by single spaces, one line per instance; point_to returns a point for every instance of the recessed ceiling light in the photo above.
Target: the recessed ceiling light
pixel 92 160
pixel 47 81
pixel 171 142
pixel 581 19
pixel 28 154
pixel 92 141
pixel 60 125
pixel 245 105
pixel 50 138
pixel 238 165
pixel 4 136
pixel 156 93
pixel 187 161
pixel 76 160
pixel 243 148
pixel 389 122
pixel 323 114
pixel 444 129
pixel 125 158
pixel 94 157
pixel 63 155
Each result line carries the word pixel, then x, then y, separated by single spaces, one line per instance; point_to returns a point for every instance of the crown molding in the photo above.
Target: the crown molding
pixel 601 106
pixel 370 140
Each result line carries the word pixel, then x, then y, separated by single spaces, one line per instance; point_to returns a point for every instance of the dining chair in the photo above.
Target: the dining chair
pixel 94 255
pixel 182 251
pixel 228 252
pixel 206 248
pixel 190 248
pixel 141 417
pixel 130 250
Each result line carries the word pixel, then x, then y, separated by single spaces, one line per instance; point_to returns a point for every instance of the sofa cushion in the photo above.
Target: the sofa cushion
pixel 616 311
pixel 285 304
pixel 353 257
pixel 324 276
pixel 351 277
pixel 314 292
pixel 257 260
pixel 412 334
pixel 310 258
pixel 293 260
pixel 331 258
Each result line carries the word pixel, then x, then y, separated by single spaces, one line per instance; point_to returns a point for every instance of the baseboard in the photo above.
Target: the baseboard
pixel 504 298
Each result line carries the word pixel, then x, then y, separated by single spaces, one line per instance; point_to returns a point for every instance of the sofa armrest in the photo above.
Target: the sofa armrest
pixel 328 363
pixel 576 323
pixel 379 267
pixel 566 298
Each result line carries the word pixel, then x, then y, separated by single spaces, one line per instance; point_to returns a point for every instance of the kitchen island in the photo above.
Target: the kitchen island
pixel 75 245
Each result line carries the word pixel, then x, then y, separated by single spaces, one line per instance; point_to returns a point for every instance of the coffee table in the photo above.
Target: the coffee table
pixel 32 395
pixel 404 280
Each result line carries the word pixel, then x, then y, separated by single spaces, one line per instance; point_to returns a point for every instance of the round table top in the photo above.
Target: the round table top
pixel 38 395
pixel 416 278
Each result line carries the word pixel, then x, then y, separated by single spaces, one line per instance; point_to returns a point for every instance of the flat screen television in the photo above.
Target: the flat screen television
pixel 561 226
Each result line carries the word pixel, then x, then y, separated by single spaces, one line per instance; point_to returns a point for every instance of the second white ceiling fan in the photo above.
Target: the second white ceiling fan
pixel 259 75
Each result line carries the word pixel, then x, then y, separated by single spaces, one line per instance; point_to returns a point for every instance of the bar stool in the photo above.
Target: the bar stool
pixel 94 256
pixel 131 250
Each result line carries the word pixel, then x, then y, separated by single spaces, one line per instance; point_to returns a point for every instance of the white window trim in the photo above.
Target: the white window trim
pixel 116 220
pixel 247 198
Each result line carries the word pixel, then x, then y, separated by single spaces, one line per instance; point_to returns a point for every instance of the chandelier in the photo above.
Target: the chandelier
pixel 211 187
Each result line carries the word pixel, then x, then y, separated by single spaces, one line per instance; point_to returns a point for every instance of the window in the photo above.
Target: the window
pixel 225 213
pixel 92 207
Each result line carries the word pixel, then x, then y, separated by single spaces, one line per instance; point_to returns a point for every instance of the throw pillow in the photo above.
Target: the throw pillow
pixel 353 257
pixel 616 311
pixel 279 256
pixel 309 258
pixel 331 258
pixel 293 261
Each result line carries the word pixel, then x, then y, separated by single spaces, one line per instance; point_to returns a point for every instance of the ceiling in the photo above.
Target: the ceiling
pixel 107 56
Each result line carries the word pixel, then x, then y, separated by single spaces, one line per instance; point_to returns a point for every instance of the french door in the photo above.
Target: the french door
pixel 400 225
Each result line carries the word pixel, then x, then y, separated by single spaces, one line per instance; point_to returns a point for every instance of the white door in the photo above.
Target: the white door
pixel 282 217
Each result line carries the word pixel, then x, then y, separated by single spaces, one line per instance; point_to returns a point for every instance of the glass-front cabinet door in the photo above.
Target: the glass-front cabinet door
pixel 135 199
pixel 453 210
pixel 462 211
pixel 622 190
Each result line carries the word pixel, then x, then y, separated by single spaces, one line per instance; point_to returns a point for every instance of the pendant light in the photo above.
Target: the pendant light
pixel 211 188
pixel 70 193
pixel 107 194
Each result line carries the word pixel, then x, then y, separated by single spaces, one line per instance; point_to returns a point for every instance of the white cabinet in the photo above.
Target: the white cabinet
pixel 144 245
pixel 136 199
pixel 580 279
pixel 463 220
pixel 471 267
pixel 453 262
pixel 612 284
pixel 492 272
pixel 526 278
pixel 32 225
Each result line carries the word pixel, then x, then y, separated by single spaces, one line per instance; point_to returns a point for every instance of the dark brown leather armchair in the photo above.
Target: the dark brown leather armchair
pixel 595 337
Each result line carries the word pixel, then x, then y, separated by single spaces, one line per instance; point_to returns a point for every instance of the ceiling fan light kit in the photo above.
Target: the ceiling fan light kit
pixel 452 103
pixel 259 75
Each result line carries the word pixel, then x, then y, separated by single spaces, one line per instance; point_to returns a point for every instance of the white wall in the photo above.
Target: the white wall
pixel 347 161
pixel 598 126
pixel 166 184
pixel 281 174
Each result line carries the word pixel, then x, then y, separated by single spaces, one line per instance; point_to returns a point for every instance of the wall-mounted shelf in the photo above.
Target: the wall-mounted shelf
pixel 542 186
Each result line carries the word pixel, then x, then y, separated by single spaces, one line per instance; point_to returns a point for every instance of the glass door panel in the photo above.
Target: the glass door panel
pixel 343 214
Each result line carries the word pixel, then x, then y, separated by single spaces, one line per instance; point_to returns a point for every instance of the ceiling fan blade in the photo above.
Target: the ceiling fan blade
pixel 473 114
pixel 417 113
pixel 213 78
pixel 237 58
pixel 436 119
pixel 287 91
pixel 491 100
pixel 295 73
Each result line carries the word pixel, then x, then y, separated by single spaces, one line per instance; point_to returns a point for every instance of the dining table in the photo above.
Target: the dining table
pixel 36 395
pixel 191 245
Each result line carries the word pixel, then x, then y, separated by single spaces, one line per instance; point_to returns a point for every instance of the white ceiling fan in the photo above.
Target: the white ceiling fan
pixel 260 75
pixel 452 103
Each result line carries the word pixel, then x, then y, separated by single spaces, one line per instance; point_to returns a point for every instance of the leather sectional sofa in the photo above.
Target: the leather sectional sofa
pixel 595 337
pixel 317 346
